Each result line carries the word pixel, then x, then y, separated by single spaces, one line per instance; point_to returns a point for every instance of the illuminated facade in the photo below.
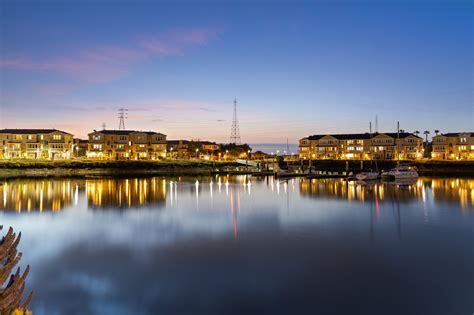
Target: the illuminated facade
pixel 126 144
pixel 185 149
pixel 35 144
pixel 362 146
pixel 453 146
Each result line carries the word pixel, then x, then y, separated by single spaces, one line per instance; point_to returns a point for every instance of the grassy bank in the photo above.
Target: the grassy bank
pixel 29 168
pixel 32 168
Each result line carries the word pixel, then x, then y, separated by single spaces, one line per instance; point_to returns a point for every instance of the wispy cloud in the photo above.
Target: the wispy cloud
pixel 111 62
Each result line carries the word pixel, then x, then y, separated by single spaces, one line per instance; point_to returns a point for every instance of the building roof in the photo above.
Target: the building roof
pixel 31 131
pixel 124 132
pixel 176 142
pixel 361 136
pixel 457 134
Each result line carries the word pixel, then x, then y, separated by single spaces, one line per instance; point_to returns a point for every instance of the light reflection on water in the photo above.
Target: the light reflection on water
pixel 244 245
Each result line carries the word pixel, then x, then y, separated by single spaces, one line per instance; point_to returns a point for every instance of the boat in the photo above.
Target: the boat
pixel 369 175
pixel 400 172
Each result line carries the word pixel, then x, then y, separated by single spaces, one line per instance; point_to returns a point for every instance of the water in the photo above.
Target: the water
pixel 244 246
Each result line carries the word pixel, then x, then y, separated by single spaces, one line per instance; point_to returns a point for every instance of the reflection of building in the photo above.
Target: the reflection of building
pixel 125 193
pixel 453 146
pixel 443 190
pixel 362 146
pixel 340 189
pixel 126 144
pixel 37 195
pixel 453 190
pixel 35 144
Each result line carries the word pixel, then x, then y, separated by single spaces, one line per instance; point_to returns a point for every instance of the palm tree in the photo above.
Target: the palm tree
pixel 417 132
pixel 436 131
pixel 426 132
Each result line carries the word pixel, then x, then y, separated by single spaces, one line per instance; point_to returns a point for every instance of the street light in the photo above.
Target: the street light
pixel 197 150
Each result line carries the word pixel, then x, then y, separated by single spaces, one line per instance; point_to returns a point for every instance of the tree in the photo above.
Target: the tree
pixel 426 132
pixel 12 285
pixel 417 132
pixel 436 131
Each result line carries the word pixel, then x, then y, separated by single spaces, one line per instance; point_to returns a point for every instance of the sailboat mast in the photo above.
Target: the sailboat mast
pixel 398 141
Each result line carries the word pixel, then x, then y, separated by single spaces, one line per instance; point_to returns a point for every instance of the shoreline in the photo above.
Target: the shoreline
pixel 85 169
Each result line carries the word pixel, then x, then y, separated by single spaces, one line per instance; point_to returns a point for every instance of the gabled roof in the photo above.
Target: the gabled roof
pixel 176 142
pixel 361 136
pixel 457 134
pixel 315 137
pixel 31 131
pixel 124 132
pixel 353 136
pixel 401 135
pixel 114 132
pixel 153 133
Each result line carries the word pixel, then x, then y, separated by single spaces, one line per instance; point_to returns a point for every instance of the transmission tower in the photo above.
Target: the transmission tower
pixel 122 115
pixel 235 132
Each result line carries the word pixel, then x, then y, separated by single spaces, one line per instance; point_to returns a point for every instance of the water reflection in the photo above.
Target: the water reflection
pixel 112 193
pixel 55 195
pixel 450 190
pixel 37 195
pixel 234 245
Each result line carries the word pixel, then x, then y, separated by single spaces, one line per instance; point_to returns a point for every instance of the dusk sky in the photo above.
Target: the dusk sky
pixel 295 69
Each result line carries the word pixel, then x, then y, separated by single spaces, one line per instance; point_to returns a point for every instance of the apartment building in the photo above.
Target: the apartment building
pixel 35 144
pixel 362 146
pixel 185 149
pixel 126 144
pixel 453 146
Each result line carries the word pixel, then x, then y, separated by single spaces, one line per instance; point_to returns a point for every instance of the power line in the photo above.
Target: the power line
pixel 122 115
pixel 235 132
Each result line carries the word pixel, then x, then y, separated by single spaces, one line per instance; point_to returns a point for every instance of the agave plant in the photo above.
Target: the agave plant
pixel 12 285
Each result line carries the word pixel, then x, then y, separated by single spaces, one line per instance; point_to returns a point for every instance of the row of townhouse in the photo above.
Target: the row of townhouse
pixel 126 144
pixel 453 146
pixel 105 144
pixel 185 149
pixel 362 146
pixel 36 144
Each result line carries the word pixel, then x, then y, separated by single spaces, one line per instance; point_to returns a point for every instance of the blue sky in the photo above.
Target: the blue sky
pixel 296 68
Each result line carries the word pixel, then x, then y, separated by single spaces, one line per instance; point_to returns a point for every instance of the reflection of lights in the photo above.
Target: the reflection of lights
pixel 197 189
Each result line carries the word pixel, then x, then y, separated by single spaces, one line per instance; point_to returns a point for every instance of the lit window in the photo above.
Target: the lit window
pixel 95 138
pixel 57 137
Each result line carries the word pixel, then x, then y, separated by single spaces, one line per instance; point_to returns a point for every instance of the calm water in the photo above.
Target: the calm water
pixel 239 246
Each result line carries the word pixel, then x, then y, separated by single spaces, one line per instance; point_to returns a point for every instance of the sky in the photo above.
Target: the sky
pixel 296 68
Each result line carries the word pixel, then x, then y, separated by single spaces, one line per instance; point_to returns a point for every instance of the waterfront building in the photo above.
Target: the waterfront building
pixel 126 144
pixel 361 146
pixel 35 144
pixel 185 149
pixel 453 146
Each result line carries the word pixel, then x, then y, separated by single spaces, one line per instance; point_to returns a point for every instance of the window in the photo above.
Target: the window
pixel 97 146
pixel 96 137
pixel 29 137
pixel 462 148
pixel 141 145
pixel 123 138
pixel 18 137
pixel 32 146
pixel 120 146
pixel 463 140
pixel 57 137
pixel 41 137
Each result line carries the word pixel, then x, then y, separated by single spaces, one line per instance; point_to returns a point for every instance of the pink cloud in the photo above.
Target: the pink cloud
pixel 107 62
